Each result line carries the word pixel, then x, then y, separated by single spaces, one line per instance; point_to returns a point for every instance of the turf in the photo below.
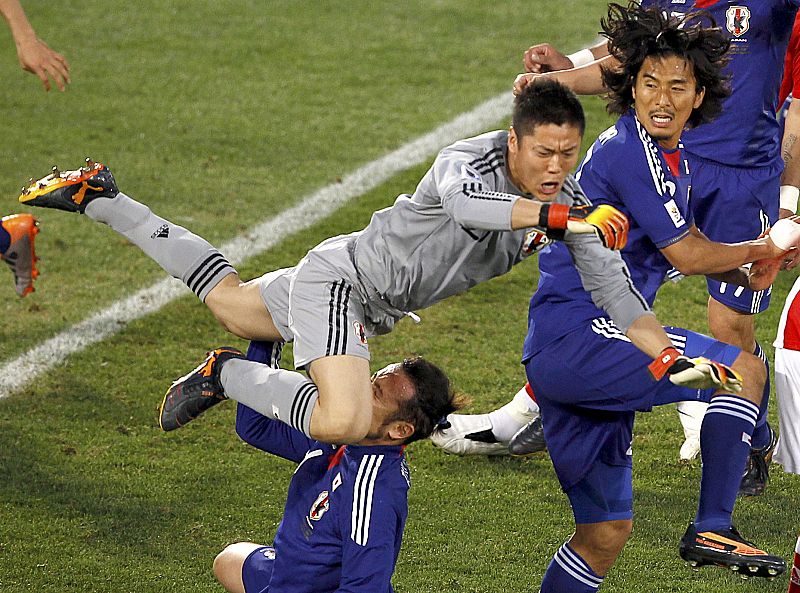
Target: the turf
pixel 219 115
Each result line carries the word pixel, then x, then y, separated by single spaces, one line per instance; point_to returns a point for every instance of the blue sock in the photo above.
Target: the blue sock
pixel 569 573
pixel 268 353
pixel 724 444
pixel 5 240
pixel 762 435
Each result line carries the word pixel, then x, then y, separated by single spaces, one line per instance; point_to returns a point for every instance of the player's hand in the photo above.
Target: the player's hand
pixel 695 373
pixel 609 224
pixel 523 80
pixel 545 58
pixel 37 58
pixel 784 238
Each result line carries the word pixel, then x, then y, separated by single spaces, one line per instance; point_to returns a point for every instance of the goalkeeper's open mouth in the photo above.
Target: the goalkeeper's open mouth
pixel 549 189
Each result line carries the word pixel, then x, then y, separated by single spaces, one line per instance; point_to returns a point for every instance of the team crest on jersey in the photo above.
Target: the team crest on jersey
pixel 674 213
pixel 468 172
pixel 268 553
pixel 737 20
pixel 320 506
pixel 360 332
pixel 534 241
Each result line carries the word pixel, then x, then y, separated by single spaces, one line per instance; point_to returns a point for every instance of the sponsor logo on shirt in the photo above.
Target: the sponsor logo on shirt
pixel 674 213
pixel 737 20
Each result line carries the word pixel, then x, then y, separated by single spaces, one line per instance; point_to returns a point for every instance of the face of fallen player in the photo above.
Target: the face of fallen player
pixel 390 386
pixel 665 94
pixel 539 161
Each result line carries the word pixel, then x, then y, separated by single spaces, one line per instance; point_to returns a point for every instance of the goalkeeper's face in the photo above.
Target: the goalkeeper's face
pixel 540 160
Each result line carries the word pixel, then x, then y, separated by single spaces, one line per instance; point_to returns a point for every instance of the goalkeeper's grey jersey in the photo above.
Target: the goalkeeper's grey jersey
pixel 455 231
pixel 452 233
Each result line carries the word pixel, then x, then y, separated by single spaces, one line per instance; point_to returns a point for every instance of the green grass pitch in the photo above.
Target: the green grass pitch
pixel 220 114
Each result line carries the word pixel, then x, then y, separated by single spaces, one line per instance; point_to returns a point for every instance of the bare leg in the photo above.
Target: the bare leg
pixel 343 413
pixel 599 544
pixel 228 565
pixel 239 308
pixel 731 326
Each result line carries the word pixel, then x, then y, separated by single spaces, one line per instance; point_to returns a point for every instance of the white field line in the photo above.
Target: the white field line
pixel 24 369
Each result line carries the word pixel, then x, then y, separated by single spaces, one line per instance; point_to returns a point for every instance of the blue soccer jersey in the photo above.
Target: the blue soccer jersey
pixel 744 135
pixel 628 170
pixel 344 516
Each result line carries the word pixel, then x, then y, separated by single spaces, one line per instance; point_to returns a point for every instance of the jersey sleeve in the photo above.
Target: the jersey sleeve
pixel 469 197
pixel 606 278
pixel 640 188
pixel 377 520
pixel 271 436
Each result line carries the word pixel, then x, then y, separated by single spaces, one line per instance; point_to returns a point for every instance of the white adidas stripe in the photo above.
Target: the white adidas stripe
pixel 363 489
pixel 27 367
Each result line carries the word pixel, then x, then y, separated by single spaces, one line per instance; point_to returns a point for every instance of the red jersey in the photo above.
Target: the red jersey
pixel 791 70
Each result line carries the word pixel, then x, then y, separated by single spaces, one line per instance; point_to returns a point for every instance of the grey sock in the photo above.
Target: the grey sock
pixel 180 252
pixel 279 394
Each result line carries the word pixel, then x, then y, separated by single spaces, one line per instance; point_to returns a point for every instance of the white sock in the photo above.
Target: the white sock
pixel 506 421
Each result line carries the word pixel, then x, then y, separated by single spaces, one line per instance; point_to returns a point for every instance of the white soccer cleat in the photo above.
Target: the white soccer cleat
pixel 691 416
pixel 690 448
pixel 468 434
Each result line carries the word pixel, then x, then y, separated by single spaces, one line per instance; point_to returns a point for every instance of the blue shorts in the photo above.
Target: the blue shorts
pixel 257 570
pixel 588 405
pixel 732 204
pixel 604 494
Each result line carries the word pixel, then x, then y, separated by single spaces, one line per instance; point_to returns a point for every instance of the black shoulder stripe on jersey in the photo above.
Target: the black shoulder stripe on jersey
pixel 490 155
pixel 489 166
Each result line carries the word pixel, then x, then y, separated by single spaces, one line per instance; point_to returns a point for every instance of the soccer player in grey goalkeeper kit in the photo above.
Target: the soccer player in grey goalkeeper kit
pixel 471 218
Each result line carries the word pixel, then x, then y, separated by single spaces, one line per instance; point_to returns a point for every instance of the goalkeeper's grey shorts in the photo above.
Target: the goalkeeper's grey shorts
pixel 316 306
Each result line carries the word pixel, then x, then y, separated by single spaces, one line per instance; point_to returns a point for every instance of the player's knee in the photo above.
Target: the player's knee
pixel 228 564
pixel 342 429
pixel 225 565
pixel 754 374
pixel 599 544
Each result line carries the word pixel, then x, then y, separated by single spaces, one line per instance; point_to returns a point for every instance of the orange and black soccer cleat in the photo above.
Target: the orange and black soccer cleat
pixel 193 394
pixel 71 190
pixel 727 548
pixel 21 253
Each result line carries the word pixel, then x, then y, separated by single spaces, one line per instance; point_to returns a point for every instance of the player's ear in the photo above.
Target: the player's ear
pixel 400 430
pixel 513 140
pixel 701 94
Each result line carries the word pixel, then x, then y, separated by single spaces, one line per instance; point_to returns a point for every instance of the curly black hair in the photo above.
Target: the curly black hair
pixel 635 33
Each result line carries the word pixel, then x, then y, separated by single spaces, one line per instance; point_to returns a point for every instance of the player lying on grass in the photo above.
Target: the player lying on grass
pixel 17 249
pixel 469 220
pixel 670 76
pixel 346 506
